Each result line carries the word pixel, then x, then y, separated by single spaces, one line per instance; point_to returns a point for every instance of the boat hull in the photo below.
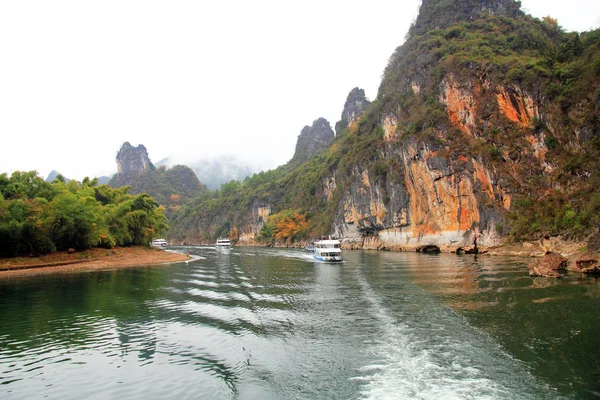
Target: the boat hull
pixel 328 258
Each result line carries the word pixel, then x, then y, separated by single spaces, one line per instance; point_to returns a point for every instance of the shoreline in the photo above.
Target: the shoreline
pixel 526 249
pixel 86 261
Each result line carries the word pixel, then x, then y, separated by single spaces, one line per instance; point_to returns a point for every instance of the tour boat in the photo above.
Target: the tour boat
pixel 327 250
pixel 223 243
pixel 159 243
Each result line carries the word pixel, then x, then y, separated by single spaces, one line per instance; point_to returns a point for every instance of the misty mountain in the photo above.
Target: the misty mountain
pixel 214 173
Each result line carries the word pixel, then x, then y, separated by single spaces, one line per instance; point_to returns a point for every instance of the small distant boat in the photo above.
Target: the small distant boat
pixel 223 243
pixel 327 250
pixel 310 247
pixel 159 243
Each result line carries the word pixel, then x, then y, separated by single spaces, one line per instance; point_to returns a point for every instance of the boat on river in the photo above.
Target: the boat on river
pixel 223 243
pixel 327 250
pixel 159 243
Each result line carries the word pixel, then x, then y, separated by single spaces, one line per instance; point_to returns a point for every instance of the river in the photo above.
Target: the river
pixel 260 323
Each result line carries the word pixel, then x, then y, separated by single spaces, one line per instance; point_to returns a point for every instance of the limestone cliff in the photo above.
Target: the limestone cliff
pixel 466 135
pixel 356 104
pixel 171 188
pixel 313 140
pixel 133 160
pixel 485 128
pixel 440 14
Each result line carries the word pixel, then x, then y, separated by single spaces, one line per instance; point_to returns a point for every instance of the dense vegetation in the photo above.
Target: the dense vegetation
pixel 37 217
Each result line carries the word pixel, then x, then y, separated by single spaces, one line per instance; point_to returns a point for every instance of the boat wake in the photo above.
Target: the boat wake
pixel 436 354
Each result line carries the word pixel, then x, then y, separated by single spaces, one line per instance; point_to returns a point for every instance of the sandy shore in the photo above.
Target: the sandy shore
pixel 89 260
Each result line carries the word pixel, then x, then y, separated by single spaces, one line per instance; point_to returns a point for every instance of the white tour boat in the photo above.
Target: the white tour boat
pixel 159 243
pixel 328 250
pixel 223 243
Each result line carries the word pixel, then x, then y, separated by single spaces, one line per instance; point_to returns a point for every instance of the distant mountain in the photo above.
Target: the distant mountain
pixel 54 174
pixel 170 187
pixel 214 173
pixel 102 180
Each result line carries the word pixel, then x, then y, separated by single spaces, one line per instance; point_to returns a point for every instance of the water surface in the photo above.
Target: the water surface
pixel 255 323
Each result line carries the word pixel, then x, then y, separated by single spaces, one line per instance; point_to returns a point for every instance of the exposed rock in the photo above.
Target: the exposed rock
pixel 260 212
pixel 356 104
pixel 429 249
pixel 589 261
pixel 552 265
pixel 313 140
pixel 473 250
pixel 516 105
pixel 594 243
pixel 439 14
pixel 133 160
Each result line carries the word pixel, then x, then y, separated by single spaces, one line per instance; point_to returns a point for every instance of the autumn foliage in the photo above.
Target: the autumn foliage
pixel 287 226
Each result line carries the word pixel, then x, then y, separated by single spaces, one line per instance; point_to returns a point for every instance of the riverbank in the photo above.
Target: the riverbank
pixel 88 260
pixel 568 248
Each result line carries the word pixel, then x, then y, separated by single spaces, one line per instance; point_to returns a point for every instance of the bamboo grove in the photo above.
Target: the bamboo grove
pixel 37 217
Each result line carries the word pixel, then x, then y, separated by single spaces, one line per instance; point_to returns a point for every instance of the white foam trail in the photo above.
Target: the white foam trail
pixel 412 362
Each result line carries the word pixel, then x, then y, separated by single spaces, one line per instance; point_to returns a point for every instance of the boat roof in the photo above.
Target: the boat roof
pixel 327 241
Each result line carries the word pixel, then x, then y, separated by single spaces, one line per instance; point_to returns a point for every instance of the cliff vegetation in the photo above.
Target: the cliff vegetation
pixel 485 128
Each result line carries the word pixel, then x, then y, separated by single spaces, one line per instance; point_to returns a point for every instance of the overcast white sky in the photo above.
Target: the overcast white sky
pixel 192 79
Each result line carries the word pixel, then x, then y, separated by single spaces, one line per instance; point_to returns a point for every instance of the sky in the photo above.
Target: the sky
pixel 194 79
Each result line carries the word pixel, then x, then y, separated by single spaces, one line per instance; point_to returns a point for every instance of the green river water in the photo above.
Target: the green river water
pixel 258 323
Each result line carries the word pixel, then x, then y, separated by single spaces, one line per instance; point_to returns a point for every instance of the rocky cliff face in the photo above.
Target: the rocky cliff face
pixel 313 140
pixel 462 136
pixel 440 14
pixel 133 160
pixel 259 214
pixel 356 104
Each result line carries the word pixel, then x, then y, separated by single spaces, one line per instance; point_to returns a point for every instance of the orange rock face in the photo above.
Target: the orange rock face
pixel 438 204
pixel 519 108
pixel 460 105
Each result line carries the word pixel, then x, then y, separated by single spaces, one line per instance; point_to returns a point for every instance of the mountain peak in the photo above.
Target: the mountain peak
pixel 439 14
pixel 133 160
pixel 356 104
pixel 313 140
